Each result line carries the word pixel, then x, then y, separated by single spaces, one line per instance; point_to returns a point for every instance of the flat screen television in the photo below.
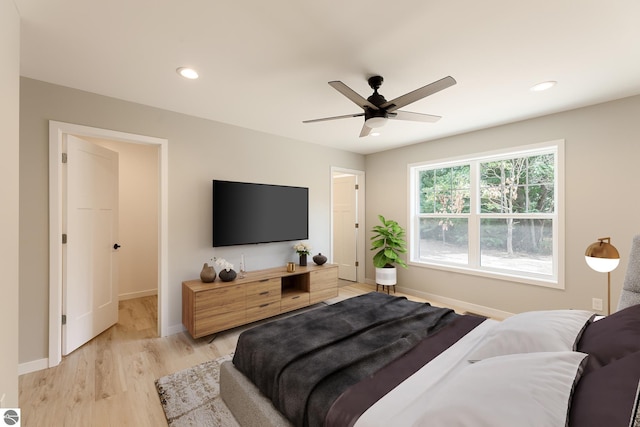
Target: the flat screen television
pixel 247 213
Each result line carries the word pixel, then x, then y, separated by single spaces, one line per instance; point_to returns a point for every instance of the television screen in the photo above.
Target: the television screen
pixel 246 213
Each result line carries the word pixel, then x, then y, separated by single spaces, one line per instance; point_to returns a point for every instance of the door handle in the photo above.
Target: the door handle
pixel 116 246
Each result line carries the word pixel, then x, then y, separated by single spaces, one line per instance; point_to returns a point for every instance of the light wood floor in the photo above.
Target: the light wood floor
pixel 110 380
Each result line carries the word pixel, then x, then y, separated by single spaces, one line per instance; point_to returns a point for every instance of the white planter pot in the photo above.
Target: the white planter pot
pixel 386 276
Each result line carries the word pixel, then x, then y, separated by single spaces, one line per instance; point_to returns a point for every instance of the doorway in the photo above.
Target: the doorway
pixel 58 132
pixel 347 223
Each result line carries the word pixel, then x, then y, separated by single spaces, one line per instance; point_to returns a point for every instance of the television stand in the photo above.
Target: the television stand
pixel 208 308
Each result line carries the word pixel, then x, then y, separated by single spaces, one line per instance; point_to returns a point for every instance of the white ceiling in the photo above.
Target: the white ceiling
pixel 265 65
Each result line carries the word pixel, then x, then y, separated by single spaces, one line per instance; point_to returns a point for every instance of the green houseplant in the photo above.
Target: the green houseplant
pixel 389 241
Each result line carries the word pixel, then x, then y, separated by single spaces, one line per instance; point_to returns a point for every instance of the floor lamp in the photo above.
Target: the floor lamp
pixel 602 256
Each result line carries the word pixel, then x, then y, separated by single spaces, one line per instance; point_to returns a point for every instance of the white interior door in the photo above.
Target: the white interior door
pixel 345 233
pixel 90 292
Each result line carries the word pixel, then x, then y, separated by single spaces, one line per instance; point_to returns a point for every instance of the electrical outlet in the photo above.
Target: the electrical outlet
pixel 596 304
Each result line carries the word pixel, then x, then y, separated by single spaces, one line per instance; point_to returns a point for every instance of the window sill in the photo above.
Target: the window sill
pixel 509 277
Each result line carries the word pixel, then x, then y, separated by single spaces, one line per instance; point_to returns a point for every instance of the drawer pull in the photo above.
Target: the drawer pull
pixel 264 305
pixel 296 297
pixel 264 293
pixel 264 280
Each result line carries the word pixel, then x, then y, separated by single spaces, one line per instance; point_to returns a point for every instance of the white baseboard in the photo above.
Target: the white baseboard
pixel 33 366
pixel 451 302
pixel 138 294
pixel 175 329
pixel 467 306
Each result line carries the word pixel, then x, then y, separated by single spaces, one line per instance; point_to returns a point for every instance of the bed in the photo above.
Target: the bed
pixel 379 360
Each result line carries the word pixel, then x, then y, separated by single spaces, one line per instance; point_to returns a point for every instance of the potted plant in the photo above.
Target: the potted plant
pixel 388 240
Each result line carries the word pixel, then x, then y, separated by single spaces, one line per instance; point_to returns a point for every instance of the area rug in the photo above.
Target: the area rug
pixel 191 397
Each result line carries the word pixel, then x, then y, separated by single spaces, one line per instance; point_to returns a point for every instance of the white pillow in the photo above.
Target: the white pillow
pixel 534 331
pixel 532 389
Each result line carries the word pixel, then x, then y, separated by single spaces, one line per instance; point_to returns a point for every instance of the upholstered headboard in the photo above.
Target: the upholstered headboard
pixel 631 288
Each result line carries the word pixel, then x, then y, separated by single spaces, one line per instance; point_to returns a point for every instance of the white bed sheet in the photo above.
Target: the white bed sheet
pixel 404 405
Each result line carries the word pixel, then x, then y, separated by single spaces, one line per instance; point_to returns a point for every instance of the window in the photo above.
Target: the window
pixel 493 214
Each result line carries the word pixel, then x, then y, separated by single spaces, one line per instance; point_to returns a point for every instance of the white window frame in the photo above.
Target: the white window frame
pixel 556 279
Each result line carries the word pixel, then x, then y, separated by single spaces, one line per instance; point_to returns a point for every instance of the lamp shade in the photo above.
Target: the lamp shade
pixel 602 256
pixel 376 122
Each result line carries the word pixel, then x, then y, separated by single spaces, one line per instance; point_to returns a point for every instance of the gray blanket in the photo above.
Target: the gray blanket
pixel 303 363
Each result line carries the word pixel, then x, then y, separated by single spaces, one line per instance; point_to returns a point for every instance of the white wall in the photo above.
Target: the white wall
pixel 9 219
pixel 199 151
pixel 138 217
pixel 602 151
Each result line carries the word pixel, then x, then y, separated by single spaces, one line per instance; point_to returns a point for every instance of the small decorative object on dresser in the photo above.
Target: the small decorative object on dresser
pixel 319 259
pixel 208 274
pixel 227 273
pixel 243 267
pixel 303 249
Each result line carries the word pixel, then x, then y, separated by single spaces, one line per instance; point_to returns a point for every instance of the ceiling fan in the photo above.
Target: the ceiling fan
pixel 377 109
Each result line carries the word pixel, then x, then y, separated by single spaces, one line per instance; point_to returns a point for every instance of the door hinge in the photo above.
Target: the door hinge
pixel 357 187
pixel 64 319
pixel 357 264
pixel 64 157
pixel 64 238
pixel 357 225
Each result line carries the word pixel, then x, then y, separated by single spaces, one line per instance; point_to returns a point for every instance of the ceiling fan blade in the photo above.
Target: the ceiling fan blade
pixel 414 117
pixel 352 95
pixel 346 116
pixel 365 131
pixel 418 94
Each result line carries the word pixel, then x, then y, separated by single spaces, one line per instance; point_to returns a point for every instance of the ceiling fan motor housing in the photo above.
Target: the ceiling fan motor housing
pixel 370 113
pixel 376 99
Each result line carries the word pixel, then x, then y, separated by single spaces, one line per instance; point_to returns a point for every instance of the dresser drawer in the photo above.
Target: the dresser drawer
pixel 221 300
pixel 264 291
pixel 294 300
pixel 324 279
pixel 263 311
pixel 212 323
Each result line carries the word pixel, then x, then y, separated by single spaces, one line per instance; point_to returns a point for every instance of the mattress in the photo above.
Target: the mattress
pixel 558 367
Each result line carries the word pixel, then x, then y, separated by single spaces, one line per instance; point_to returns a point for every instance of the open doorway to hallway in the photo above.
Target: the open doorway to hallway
pixel 348 234
pixel 156 159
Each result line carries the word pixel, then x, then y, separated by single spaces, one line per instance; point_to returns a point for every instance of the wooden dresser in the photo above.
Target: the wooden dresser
pixel 208 308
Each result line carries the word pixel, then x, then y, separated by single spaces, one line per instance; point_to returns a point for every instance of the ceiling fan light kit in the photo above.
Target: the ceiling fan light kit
pixel 376 122
pixel 377 110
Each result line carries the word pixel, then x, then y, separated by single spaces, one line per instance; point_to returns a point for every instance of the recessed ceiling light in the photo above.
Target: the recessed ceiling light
pixel 187 73
pixel 543 86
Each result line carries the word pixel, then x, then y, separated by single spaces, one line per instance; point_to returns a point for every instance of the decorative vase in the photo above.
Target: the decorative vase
pixel 303 259
pixel 227 276
pixel 208 274
pixel 319 259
